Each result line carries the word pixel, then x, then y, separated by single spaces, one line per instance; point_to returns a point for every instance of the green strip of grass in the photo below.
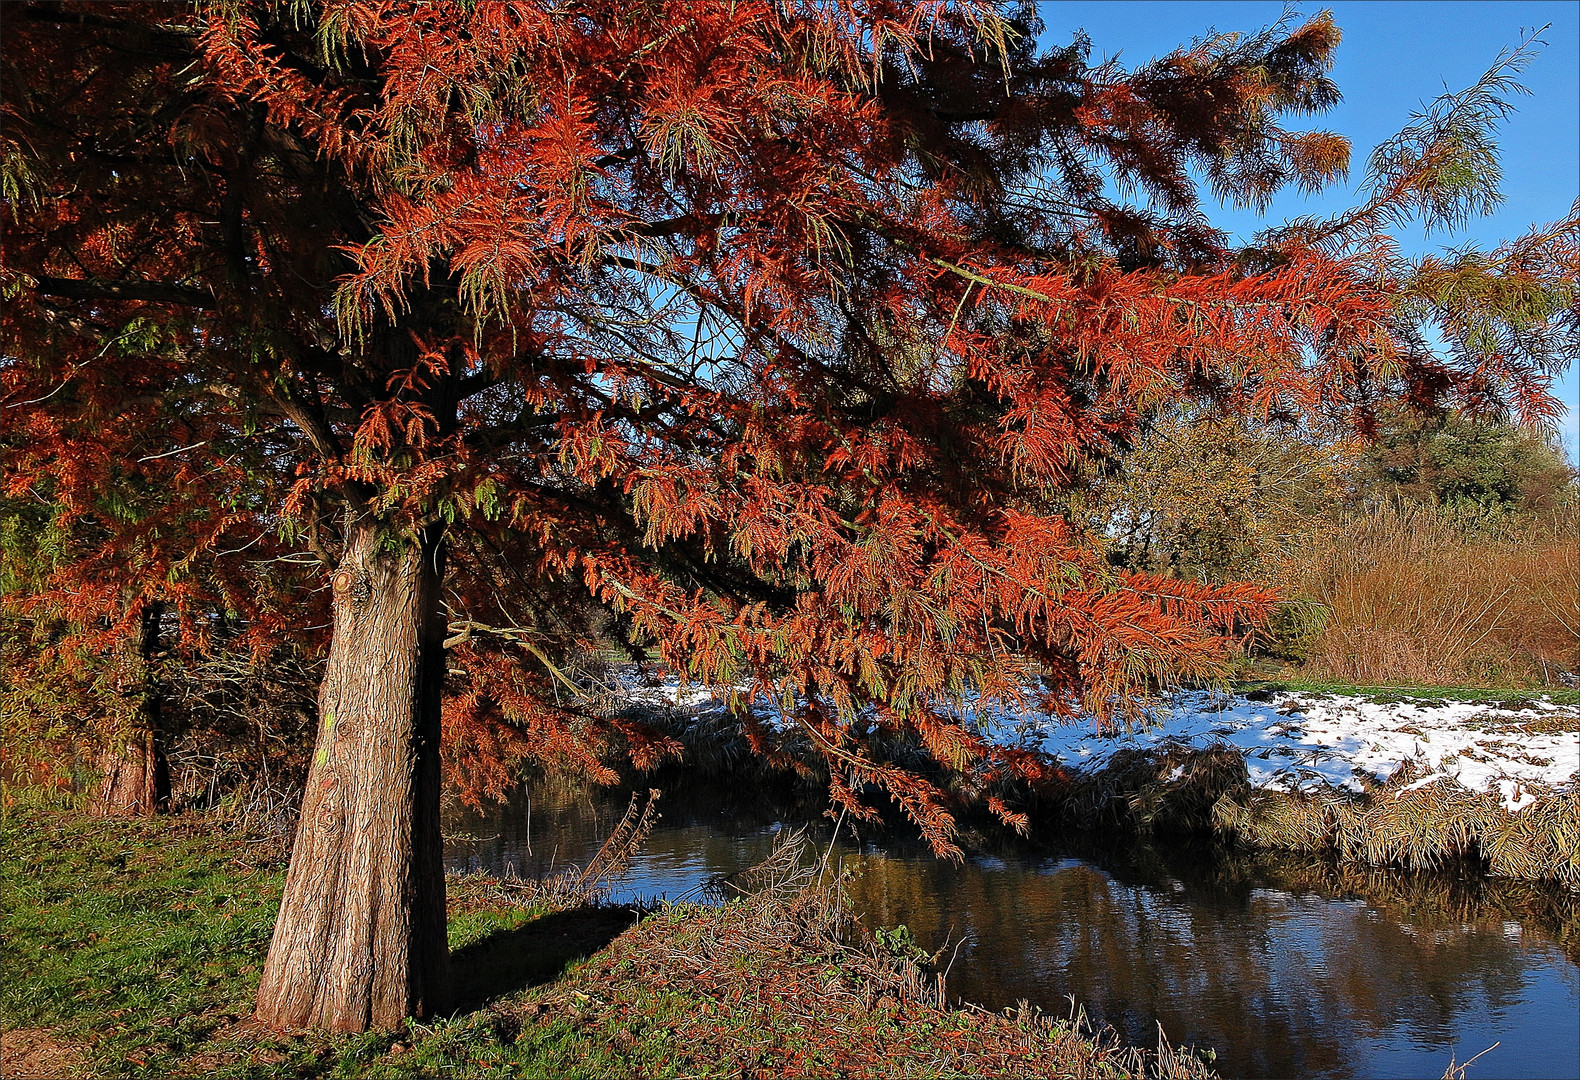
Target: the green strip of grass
pixel 130 938
pixel 1388 695
pixel 140 943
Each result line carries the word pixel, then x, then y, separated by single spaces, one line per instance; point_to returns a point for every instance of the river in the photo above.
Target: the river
pixel 1284 967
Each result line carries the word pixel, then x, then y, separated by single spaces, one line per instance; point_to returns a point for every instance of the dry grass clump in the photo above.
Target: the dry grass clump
pixel 1541 841
pixel 1280 821
pixel 1423 828
pixel 1170 788
pixel 474 892
pixel 1424 595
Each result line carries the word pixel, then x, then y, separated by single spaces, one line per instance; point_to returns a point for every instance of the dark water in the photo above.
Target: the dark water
pixel 1284 967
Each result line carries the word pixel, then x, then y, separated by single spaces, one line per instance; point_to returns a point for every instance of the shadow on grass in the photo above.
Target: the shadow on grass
pixel 534 954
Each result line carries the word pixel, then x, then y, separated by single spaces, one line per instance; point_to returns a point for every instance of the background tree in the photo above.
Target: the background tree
pixel 116 578
pixel 1456 458
pixel 1350 533
pixel 777 334
pixel 1213 499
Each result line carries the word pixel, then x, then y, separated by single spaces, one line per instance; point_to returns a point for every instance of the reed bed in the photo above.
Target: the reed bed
pixel 1172 788
pixel 1180 788
pixel 1425 595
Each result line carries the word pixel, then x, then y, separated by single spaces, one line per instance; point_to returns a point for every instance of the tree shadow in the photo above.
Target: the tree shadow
pixel 533 954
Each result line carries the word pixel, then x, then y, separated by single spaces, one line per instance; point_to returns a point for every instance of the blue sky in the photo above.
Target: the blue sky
pixel 1395 57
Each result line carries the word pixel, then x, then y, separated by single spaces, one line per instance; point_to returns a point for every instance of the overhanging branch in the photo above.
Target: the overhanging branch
pixel 157 292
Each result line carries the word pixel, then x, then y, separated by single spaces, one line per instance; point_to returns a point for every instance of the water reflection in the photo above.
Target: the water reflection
pixel 1286 968
pixel 1282 983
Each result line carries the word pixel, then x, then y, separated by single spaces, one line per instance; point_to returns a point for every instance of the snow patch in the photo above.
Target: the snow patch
pixel 1293 741
pixel 1301 740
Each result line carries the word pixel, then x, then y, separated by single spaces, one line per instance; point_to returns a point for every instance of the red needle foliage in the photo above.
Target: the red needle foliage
pixel 769 336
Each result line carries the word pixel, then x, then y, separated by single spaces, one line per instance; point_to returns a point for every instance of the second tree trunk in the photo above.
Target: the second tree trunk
pixel 135 775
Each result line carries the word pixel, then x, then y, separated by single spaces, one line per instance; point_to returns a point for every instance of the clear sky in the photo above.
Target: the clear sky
pixel 1395 56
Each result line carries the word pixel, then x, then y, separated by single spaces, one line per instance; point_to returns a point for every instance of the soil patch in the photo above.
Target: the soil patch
pixel 35 1054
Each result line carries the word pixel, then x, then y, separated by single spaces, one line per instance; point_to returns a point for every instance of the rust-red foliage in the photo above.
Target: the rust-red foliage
pixel 777 332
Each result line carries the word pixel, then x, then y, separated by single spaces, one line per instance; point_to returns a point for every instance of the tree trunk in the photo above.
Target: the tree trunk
pixel 136 776
pixel 360 939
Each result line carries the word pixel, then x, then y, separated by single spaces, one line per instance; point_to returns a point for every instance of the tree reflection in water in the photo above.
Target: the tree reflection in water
pixel 1285 966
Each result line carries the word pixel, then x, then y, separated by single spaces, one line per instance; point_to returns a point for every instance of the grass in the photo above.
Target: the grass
pixel 133 949
pixel 133 939
pixel 1394 694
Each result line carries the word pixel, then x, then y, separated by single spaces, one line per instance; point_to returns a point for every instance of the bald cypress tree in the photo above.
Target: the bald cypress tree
pixel 775 332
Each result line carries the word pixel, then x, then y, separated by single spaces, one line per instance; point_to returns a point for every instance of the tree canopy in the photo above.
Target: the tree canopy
pixel 765 338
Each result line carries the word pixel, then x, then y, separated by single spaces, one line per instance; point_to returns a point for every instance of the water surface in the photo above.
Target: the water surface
pixel 1283 967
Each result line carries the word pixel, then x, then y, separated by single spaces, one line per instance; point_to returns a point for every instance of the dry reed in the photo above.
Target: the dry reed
pixel 1422 595
pixel 616 852
pixel 575 887
pixel 1422 828
pixel 1457 1069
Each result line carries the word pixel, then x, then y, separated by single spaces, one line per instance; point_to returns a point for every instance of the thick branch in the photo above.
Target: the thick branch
pixel 158 292
pixel 310 421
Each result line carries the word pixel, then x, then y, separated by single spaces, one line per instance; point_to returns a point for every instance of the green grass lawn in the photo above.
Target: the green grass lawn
pixel 136 941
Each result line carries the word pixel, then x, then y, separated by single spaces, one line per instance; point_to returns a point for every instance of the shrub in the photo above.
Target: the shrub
pixel 1294 629
pixel 1457 459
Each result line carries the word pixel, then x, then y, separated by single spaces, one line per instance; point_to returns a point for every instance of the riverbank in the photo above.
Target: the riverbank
pixel 133 949
pixel 1411 778
pixel 1385 778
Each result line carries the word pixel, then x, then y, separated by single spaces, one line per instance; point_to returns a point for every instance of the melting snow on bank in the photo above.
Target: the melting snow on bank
pixel 1299 740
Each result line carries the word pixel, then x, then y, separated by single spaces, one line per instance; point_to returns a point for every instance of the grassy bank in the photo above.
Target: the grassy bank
pixel 133 949
pixel 1415 828
pixel 1407 821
